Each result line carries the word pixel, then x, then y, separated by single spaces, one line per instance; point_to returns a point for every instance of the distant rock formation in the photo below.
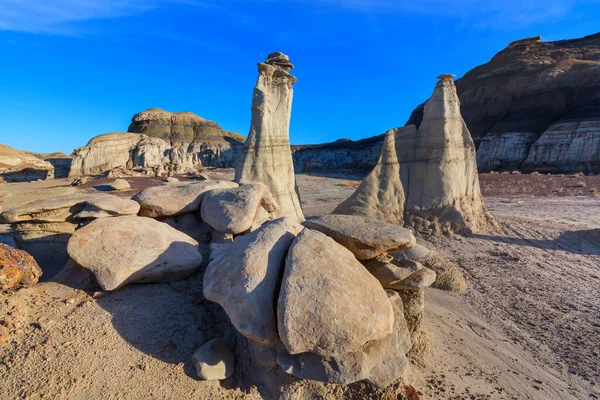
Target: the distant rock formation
pixel 380 195
pixel 266 156
pixel 438 168
pixel 110 150
pixel 341 154
pixel 21 166
pixel 161 141
pixel 535 106
pixel 193 140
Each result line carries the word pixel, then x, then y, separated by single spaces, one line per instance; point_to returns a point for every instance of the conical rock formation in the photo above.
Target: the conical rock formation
pixel 380 195
pixel 439 170
pixel 266 156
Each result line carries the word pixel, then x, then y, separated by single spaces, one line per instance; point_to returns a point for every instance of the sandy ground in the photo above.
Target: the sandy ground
pixel 528 328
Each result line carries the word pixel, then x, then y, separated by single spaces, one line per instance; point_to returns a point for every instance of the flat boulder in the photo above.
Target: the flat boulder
pixel 381 362
pixel 17 268
pixel 329 304
pixel 244 278
pixel 108 206
pixel 366 238
pixel 232 210
pixel 132 249
pixel 176 199
pixel 54 209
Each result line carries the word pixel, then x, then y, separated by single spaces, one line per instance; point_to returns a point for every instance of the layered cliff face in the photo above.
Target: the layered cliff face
pixel 193 140
pixel 535 105
pixel 342 154
pixel 21 166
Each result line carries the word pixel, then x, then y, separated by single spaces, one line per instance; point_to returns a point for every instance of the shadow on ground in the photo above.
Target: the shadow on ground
pixel 585 242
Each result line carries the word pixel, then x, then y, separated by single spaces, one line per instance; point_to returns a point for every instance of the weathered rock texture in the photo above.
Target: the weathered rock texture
pixel 266 156
pixel 380 195
pixel 329 304
pixel 245 279
pixel 438 168
pixel 21 166
pixel 193 141
pixel 17 268
pixel 131 249
pixel 111 150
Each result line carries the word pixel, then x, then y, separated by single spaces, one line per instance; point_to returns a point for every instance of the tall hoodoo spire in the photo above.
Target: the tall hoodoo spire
pixel 439 170
pixel 380 195
pixel 266 156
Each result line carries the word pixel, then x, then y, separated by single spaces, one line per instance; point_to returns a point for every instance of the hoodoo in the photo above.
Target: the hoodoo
pixel 380 195
pixel 439 170
pixel 266 156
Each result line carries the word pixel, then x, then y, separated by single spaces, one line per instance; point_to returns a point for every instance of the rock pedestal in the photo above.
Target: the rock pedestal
pixel 380 195
pixel 439 170
pixel 266 156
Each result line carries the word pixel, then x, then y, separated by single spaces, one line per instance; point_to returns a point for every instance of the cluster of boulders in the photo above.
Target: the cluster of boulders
pixel 311 298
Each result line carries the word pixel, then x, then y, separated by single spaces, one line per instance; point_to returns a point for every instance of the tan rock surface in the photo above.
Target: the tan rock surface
pixel 244 279
pixel 214 360
pixel 130 249
pixel 232 210
pixel 329 304
pixel 120 184
pixel 110 150
pixel 266 156
pixel 380 195
pixel 365 237
pixel 172 200
pixel 381 362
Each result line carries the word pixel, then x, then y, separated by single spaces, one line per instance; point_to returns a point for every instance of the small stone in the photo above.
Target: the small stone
pixel 214 360
pixel 120 184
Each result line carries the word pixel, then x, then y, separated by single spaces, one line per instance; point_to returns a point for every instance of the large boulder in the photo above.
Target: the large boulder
pixel 329 304
pixel 107 206
pixel 20 166
pixel 380 195
pixel 131 249
pixel 244 279
pixel 365 237
pixel 233 210
pixel 17 268
pixel 172 200
pixel 399 274
pixel 381 362
pixel 266 156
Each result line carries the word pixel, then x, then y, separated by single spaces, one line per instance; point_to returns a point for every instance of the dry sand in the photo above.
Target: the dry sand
pixel 529 327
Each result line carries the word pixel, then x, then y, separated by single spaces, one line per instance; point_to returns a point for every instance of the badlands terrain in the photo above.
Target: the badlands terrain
pixel 527 328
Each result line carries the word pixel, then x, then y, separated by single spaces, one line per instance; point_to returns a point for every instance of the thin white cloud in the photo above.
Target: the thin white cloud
pixel 53 16
pixel 46 16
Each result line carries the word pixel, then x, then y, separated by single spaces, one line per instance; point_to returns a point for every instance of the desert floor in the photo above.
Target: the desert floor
pixel 528 328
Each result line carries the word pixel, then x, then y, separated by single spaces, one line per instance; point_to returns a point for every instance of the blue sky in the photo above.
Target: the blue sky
pixel 72 69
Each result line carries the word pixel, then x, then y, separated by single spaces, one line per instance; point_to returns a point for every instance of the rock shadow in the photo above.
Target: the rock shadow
pixel 585 242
